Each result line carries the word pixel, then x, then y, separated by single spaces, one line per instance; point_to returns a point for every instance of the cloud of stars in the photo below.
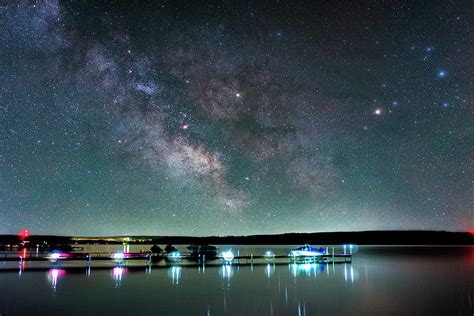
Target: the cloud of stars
pixel 216 118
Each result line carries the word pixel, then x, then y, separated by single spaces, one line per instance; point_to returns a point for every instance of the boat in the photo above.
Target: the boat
pixel 202 250
pixel 307 252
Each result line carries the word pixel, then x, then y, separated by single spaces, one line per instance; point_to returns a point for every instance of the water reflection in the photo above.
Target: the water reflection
pixel 302 309
pixel 54 275
pixel 307 269
pixel 202 268
pixel 367 286
pixel 117 274
pixel 175 274
pixel 227 271
pixel 350 273
pixel 269 269
pixel 22 263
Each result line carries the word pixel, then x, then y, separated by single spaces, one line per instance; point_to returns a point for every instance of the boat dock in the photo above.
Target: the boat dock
pixel 149 259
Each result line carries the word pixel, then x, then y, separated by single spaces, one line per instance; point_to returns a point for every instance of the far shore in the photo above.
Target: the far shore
pixel 409 237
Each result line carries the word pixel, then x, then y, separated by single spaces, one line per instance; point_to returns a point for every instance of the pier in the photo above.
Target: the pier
pixel 71 260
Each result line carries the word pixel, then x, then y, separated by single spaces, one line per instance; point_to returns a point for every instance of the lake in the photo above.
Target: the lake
pixel 382 280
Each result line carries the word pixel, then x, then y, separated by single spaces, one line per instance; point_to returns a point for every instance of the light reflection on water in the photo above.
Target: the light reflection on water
pixel 227 271
pixel 117 274
pixel 375 283
pixel 54 275
pixel 269 269
pixel 175 274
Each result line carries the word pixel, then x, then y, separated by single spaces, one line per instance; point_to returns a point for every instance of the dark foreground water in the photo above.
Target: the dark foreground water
pixel 380 281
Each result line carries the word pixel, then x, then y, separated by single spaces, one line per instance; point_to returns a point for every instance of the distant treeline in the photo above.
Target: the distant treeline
pixel 332 238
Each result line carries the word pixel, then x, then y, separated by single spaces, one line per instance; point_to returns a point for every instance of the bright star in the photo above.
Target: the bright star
pixel 378 111
pixel 441 74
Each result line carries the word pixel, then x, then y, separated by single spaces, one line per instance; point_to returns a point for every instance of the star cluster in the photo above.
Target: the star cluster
pixel 208 118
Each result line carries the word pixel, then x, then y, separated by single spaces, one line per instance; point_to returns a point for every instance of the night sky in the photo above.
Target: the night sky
pixel 235 117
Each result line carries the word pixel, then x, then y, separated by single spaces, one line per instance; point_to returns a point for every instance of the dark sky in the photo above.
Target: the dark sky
pixel 235 117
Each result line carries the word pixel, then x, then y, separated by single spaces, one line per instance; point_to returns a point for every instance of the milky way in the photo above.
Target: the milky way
pixel 236 118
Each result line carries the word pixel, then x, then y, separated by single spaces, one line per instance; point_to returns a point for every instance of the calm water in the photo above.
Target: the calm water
pixel 380 281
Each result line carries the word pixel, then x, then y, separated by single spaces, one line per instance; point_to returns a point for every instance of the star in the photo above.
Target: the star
pixel 378 111
pixel 441 74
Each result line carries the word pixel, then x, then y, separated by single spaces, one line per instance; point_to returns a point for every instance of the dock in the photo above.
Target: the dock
pixel 149 259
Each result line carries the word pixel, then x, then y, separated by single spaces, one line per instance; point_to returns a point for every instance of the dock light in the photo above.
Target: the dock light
pixel 118 257
pixel 174 256
pixel 54 257
pixel 228 256
pixel 269 255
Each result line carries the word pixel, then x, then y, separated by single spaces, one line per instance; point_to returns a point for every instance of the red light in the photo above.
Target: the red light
pixel 25 233
pixel 471 231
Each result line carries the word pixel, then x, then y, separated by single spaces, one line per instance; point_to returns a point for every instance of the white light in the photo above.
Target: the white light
pixel 118 256
pixel 228 256
pixel 55 256
pixel 269 254
pixel 174 256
